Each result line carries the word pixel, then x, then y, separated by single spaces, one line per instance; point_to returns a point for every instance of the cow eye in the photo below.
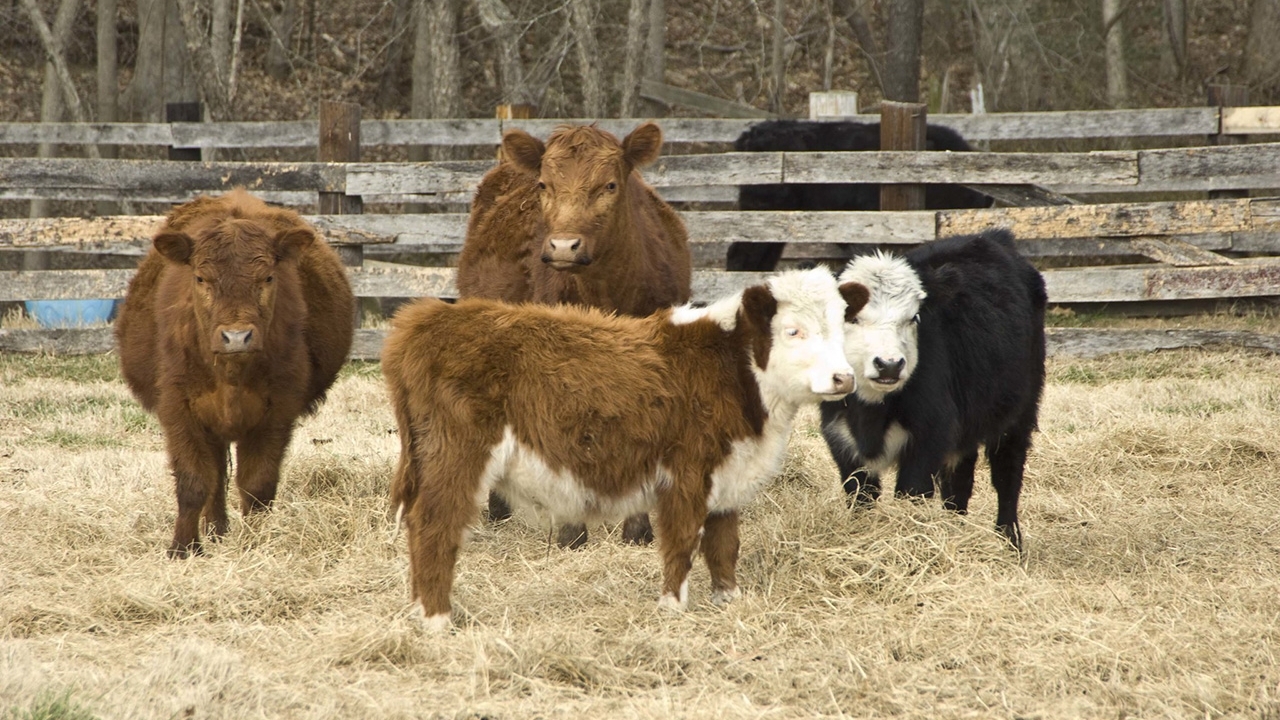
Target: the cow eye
pixel 611 186
pixel 270 278
pixel 794 332
pixel 542 185
pixel 199 280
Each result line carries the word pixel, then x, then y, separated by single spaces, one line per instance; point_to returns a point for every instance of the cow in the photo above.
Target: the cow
pixel 572 221
pixel 234 326
pixel 833 136
pixel 949 354
pixel 588 415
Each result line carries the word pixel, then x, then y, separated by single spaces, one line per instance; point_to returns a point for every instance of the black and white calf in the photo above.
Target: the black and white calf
pixel 948 354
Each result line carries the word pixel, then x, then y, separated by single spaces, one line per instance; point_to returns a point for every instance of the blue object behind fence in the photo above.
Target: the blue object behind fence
pixel 70 313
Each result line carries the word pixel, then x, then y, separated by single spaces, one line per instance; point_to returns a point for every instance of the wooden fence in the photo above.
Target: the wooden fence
pixel 1194 247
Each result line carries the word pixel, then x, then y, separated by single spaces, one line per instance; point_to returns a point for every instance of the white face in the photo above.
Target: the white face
pixel 882 344
pixel 806 359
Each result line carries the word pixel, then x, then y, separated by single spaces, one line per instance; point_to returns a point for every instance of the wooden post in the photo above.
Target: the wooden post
pixel 832 104
pixel 340 142
pixel 1223 96
pixel 513 112
pixel 183 112
pixel 902 127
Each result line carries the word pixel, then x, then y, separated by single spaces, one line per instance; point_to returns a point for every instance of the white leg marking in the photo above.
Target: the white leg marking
pixel 724 597
pixel 678 604
pixel 437 624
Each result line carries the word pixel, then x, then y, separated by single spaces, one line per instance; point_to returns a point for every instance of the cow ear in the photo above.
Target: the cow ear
pixel 758 308
pixel 855 298
pixel 523 150
pixel 643 145
pixel 175 246
pixel 291 242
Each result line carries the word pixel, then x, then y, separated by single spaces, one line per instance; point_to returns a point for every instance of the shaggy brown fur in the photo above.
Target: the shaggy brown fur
pixel 236 323
pixel 597 414
pixel 572 221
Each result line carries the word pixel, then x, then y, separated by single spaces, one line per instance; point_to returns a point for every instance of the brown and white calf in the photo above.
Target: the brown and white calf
pixel 587 415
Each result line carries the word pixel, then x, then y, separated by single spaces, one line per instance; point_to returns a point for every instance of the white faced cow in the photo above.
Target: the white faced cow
pixel 949 354
pixel 586 415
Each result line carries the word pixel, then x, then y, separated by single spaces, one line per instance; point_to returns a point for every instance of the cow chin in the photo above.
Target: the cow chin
pixel 570 266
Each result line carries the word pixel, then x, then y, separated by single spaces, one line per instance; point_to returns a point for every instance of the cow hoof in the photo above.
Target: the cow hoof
pixel 572 537
pixel 437 624
pixel 720 598
pixel 182 551
pixel 670 603
pixel 637 530
pixel 1013 534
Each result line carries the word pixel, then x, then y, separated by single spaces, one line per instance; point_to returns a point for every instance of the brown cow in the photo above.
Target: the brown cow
pixel 573 222
pixel 236 324
pixel 587 415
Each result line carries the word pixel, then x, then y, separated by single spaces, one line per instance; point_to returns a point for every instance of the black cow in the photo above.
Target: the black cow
pixel 948 354
pixel 817 136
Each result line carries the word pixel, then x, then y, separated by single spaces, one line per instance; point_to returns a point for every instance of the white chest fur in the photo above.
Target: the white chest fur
pixel 752 462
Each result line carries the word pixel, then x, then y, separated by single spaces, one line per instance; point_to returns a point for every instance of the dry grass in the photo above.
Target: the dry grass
pixel 1150 590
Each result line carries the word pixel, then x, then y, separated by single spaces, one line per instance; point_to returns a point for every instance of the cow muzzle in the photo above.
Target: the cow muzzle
pixel 887 372
pixel 565 252
pixel 232 340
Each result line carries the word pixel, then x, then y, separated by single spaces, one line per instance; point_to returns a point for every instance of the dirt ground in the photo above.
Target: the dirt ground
pixel 1150 587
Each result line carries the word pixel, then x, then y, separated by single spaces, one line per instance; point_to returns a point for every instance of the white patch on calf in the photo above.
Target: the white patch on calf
pixel 672 602
pixel 886 327
pixel 723 312
pixel 896 437
pixel 752 462
pixel 525 479
pixel 724 597
pixel 434 625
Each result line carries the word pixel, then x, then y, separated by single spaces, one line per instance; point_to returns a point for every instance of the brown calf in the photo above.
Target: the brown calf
pixel 587 415
pixel 572 221
pixel 236 324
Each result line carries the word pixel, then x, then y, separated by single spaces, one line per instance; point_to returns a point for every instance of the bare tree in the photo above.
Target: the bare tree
pixel 904 27
pixel 582 14
pixel 214 82
pixel 142 102
pixel 1175 25
pixel 1260 65
pixel 777 66
pixel 851 11
pixel 633 56
pixel 436 72
pixel 655 58
pixel 108 83
pixel 281 19
pixel 389 85
pixel 1117 69
pixel 507 31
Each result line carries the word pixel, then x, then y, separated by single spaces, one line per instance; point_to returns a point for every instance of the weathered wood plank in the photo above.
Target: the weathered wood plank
pixel 157 180
pixel 1178 253
pixel 1111 220
pixel 1096 168
pixel 1253 277
pixel 86 133
pixel 415 178
pixel 710 104
pixel 1147 122
pixel 1022 195
pixel 1250 120
pixel 1223 167
pixel 1095 342
pixel 88 234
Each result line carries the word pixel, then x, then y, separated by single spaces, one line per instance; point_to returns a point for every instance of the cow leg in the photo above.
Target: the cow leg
pixel 572 536
pixel 956 484
pixel 720 550
pixel 499 510
pixel 215 509
pixel 258 459
pixel 637 529
pixel 198 461
pixel 861 486
pixel 436 520
pixel 918 463
pixel 1008 457
pixel 682 512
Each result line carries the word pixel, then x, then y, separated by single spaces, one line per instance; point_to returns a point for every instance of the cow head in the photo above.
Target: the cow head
pixel 235 268
pixel 583 175
pixel 797 322
pixel 881 342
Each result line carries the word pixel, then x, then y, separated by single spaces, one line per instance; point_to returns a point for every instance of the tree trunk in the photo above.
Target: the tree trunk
pixel 108 84
pixel 51 100
pixel 284 15
pixel 213 83
pixel 506 30
pixel 1175 23
pixel 1117 71
pixel 904 29
pixel 1260 65
pixel 142 102
pixel 582 17
pixel 436 72
pixel 179 82
pixel 777 67
pixel 655 54
pixel 851 11
pixel 633 57
pixel 389 86
pixel 220 37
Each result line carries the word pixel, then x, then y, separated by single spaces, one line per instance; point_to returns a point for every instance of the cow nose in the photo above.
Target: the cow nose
pixel 843 383
pixel 888 370
pixel 236 340
pixel 565 245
